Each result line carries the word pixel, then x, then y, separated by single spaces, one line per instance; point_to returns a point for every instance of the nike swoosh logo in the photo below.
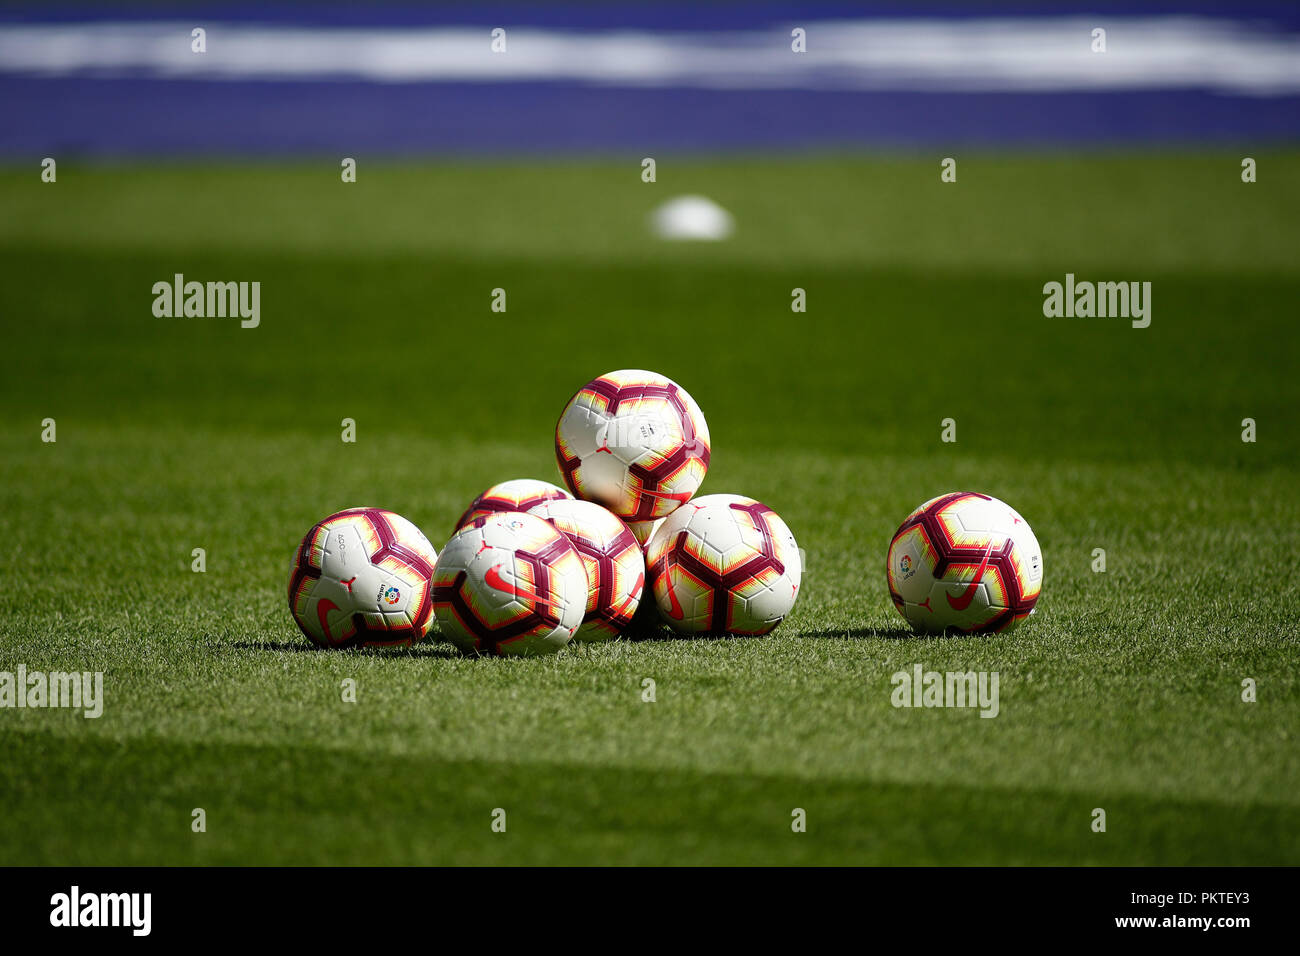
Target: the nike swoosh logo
pixel 680 497
pixel 675 611
pixel 627 602
pixel 495 580
pixel 323 608
pixel 963 601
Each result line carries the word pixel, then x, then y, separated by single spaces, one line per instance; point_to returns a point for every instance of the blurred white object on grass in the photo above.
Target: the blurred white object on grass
pixel 691 217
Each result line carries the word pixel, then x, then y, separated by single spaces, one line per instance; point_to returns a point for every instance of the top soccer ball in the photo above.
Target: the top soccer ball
pixel 964 561
pixel 518 494
pixel 361 578
pixel 633 441
pixel 724 564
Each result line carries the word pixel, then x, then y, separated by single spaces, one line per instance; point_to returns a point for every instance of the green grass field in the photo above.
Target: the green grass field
pixel 924 302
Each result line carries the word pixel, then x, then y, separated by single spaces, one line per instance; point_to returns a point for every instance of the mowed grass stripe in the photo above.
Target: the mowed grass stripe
pixel 409 347
pixel 294 805
pixel 1134 212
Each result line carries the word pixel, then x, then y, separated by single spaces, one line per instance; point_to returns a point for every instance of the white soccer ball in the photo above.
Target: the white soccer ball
pixel 509 583
pixel 614 561
pixel 634 442
pixel 724 564
pixel 517 494
pixel 362 578
pixel 964 561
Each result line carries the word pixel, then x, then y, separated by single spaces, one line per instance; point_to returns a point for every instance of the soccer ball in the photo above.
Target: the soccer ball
pixel 633 441
pixel 724 564
pixel 615 564
pixel 964 561
pixel 643 531
pixel 518 494
pixel 361 578
pixel 509 583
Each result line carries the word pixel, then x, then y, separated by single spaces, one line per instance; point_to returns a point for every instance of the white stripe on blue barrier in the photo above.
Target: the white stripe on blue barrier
pixel 1040 54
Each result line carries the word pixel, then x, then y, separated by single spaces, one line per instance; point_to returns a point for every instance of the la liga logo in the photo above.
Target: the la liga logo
pixel 392 596
pixel 906 563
